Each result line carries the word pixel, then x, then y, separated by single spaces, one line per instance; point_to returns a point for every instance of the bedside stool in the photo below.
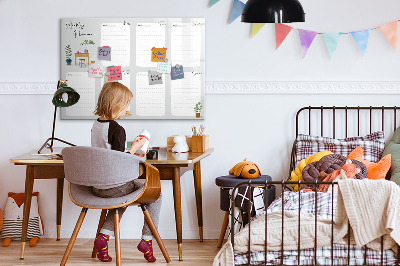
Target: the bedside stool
pixel 228 182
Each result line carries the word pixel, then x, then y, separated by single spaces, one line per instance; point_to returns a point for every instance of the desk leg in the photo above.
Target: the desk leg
pixel 176 182
pixel 60 190
pixel 197 189
pixel 27 206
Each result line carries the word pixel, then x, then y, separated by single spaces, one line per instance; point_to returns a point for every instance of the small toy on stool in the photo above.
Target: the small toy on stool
pixel 245 169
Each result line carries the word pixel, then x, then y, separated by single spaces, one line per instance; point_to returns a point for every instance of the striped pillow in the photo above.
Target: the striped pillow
pixel 372 145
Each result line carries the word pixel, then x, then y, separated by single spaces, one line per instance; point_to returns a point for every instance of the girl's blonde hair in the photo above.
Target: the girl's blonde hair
pixel 113 97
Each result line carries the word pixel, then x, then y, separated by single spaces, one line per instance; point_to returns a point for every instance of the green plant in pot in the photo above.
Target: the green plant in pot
pixel 198 108
pixel 68 54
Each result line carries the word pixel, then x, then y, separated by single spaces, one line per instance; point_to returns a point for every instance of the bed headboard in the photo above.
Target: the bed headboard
pixel 344 121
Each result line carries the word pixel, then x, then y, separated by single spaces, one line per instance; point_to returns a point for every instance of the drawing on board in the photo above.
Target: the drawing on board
pixel 161 60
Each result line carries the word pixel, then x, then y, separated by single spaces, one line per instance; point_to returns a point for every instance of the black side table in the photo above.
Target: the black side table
pixel 226 183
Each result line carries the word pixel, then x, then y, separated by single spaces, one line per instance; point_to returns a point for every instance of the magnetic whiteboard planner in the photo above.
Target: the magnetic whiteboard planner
pixel 161 60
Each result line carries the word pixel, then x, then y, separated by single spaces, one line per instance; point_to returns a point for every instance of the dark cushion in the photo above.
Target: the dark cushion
pixel 230 181
pixel 393 148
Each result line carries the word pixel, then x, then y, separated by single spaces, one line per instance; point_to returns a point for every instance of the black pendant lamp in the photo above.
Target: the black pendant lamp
pixel 273 11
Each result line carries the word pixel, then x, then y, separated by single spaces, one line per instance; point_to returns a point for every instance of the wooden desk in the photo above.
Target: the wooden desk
pixel 82 55
pixel 171 167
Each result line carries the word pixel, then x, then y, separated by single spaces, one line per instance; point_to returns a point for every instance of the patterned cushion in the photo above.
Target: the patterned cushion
pixel 372 144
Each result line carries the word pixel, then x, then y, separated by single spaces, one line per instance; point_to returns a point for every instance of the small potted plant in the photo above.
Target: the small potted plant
pixel 68 54
pixel 198 108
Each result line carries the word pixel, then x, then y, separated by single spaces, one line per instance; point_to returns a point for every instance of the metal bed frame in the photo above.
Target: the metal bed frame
pixel 284 183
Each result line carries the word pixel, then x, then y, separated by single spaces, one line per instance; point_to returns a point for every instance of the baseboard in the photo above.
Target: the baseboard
pixel 248 87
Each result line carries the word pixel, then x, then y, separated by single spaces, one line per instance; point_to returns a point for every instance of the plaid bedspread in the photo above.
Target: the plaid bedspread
pixel 307 202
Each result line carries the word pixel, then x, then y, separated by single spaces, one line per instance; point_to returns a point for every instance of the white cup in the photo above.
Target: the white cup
pixel 144 134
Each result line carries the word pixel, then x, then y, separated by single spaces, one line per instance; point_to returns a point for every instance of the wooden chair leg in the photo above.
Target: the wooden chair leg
pixel 73 237
pixel 101 222
pixel 223 229
pixel 117 239
pixel 154 230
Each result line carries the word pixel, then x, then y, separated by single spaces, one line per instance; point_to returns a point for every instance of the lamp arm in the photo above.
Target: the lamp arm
pixel 54 127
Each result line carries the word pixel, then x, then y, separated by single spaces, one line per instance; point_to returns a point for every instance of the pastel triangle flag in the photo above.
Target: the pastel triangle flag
pixel 389 30
pixel 361 37
pixel 256 28
pixel 213 2
pixel 237 9
pixel 332 41
pixel 281 31
pixel 306 39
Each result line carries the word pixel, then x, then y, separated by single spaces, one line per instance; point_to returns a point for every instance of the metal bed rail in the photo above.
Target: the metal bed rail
pixel 265 185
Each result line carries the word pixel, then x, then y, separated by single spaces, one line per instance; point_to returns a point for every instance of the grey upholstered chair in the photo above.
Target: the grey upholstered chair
pixel 85 167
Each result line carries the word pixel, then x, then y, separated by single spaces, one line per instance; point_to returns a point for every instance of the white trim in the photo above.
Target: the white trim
pixel 250 87
pixel 304 87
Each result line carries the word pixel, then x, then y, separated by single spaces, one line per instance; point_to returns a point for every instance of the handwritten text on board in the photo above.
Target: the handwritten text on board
pixel 177 72
pixel 155 78
pixel 104 53
pixel 158 54
pixel 95 71
pixel 115 73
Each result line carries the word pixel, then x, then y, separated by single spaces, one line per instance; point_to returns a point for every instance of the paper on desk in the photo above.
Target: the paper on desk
pixel 118 37
pixel 148 35
pixel 85 86
pixel 150 99
pixel 185 93
pixel 186 44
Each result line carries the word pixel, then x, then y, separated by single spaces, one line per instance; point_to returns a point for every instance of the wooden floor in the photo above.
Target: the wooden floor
pixel 50 252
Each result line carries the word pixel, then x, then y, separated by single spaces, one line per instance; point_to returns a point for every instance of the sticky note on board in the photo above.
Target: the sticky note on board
pixel 104 53
pixel 163 67
pixel 115 73
pixel 95 71
pixel 158 54
pixel 177 72
pixel 155 78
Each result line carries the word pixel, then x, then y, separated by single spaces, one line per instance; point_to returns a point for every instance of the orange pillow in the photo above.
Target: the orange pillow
pixel 375 170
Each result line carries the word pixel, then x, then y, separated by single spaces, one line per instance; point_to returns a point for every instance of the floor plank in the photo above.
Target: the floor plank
pixel 49 252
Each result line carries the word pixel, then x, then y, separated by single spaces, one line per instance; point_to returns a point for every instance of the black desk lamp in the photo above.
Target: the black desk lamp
pixel 64 96
pixel 273 11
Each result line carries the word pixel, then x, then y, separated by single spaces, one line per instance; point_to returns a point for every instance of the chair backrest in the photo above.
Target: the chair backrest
pixel 92 166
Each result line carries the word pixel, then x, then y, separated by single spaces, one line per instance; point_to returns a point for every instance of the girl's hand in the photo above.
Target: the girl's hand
pixel 137 144
pixel 142 155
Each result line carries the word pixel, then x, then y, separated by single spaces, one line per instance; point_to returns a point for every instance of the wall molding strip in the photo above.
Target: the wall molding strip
pixel 251 87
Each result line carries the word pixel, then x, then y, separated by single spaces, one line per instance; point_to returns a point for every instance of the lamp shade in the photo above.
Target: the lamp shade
pixel 273 11
pixel 70 97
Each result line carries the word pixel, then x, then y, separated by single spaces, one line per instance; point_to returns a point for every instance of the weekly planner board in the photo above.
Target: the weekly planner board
pixel 161 60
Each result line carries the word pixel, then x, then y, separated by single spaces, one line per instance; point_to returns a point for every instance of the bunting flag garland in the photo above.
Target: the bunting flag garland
pixel 256 27
pixel 213 2
pixel 237 9
pixel 361 37
pixel 306 39
pixel 332 41
pixel 389 30
pixel 281 31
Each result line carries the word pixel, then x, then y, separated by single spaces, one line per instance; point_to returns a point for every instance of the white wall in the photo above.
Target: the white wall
pixel 259 127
